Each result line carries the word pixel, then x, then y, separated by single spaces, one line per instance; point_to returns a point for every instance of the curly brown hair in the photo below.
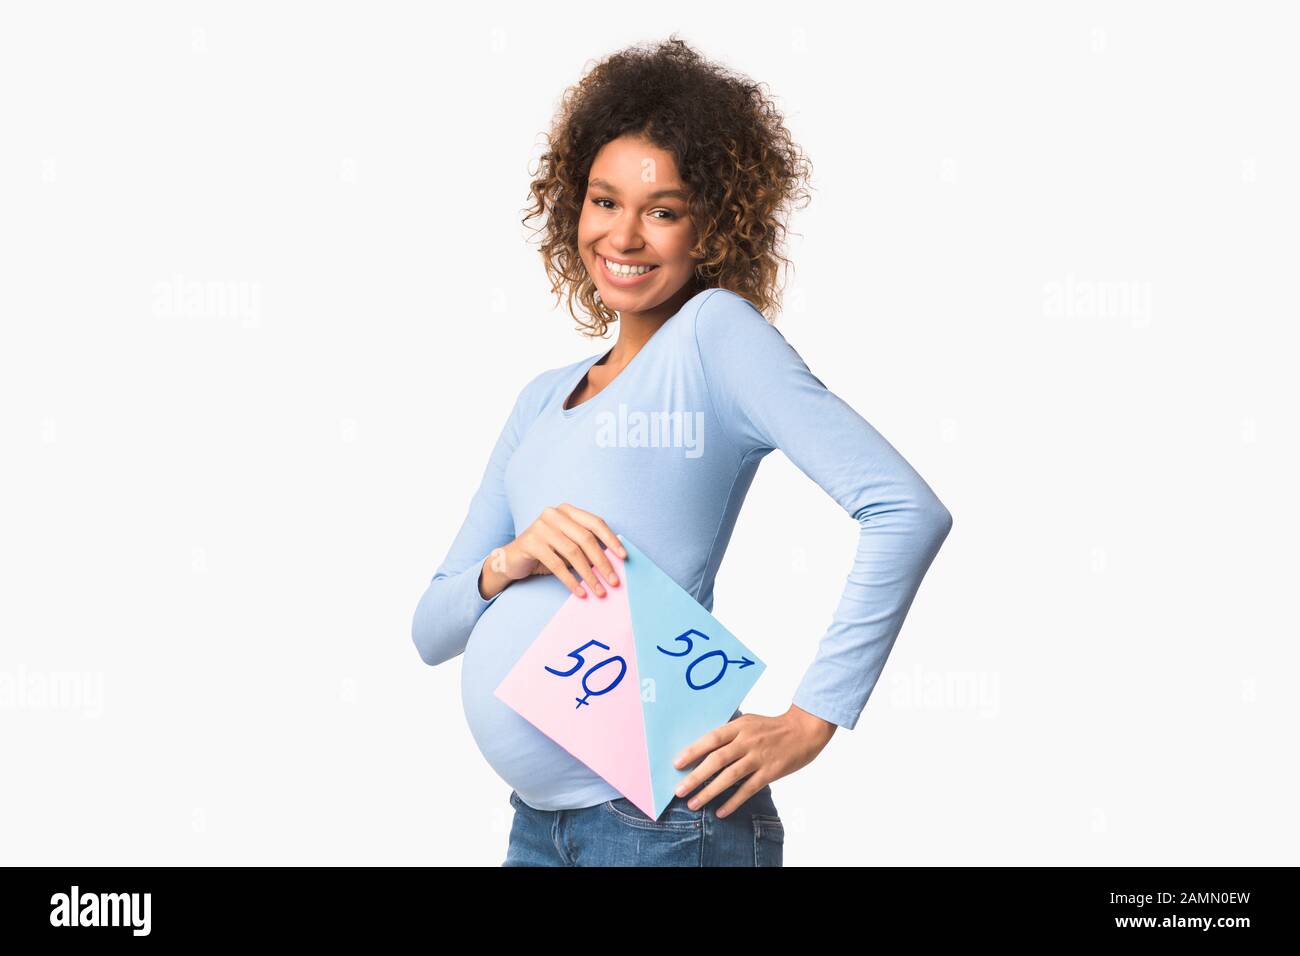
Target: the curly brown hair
pixel 732 150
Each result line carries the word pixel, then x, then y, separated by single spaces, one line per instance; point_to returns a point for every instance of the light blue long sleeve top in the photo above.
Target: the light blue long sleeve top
pixel 665 454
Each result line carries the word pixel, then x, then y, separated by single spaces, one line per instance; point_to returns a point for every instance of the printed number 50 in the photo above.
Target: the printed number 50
pixel 685 636
pixel 578 662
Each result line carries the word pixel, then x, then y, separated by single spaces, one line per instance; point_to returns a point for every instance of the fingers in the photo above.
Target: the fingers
pixel 709 742
pixel 570 551
pixel 566 536
pixel 547 557
pixel 733 769
pixel 753 783
pixel 581 534
pixel 713 761
pixel 597 525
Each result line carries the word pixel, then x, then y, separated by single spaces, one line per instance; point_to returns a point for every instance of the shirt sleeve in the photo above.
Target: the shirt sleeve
pixel 451 604
pixel 766 398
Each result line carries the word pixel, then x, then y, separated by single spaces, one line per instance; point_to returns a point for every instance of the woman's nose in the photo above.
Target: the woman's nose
pixel 624 236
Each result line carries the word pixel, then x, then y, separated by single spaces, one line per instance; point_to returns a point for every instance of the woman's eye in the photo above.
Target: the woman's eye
pixel 668 214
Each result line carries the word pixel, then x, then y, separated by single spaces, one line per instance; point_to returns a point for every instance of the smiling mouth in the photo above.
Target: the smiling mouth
pixel 626 271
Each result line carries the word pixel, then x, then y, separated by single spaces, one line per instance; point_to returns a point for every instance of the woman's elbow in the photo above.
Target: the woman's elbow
pixel 929 518
pixel 937 520
pixel 423 646
pixel 424 632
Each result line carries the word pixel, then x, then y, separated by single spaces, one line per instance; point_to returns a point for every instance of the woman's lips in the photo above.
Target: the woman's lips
pixel 624 281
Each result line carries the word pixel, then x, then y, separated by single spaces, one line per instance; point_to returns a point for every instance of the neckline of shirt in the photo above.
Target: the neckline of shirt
pixel 586 366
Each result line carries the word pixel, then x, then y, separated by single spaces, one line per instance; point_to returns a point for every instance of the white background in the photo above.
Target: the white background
pixel 1051 257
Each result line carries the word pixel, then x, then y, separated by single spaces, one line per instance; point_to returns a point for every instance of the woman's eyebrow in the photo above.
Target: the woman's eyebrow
pixel 657 194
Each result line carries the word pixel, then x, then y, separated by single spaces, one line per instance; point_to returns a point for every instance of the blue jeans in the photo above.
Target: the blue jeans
pixel 617 833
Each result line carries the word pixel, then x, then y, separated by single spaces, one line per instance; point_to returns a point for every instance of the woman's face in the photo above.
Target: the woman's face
pixel 635 213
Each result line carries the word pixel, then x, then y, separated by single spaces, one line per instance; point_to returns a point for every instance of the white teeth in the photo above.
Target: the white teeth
pixel 620 270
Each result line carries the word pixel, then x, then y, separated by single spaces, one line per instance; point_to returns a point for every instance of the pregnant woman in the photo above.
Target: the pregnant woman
pixel 664 190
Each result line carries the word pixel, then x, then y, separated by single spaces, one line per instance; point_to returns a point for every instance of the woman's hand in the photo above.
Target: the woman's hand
pixel 760 749
pixel 562 535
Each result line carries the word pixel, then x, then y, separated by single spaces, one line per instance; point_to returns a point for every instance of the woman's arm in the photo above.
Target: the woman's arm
pixel 766 398
pixel 452 603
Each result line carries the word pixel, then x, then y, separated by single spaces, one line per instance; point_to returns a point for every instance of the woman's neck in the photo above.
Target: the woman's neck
pixel 636 328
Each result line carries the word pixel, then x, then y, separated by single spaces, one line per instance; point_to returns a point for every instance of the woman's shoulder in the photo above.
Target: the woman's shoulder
pixel 722 312
pixel 727 326
pixel 719 298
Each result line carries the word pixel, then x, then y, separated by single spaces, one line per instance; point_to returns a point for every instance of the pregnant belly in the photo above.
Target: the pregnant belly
pixel 543 772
